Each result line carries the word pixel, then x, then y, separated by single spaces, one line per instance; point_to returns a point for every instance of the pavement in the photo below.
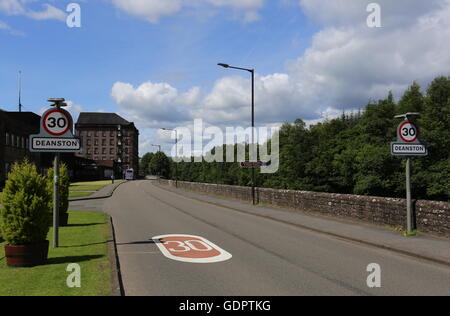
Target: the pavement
pixel 264 251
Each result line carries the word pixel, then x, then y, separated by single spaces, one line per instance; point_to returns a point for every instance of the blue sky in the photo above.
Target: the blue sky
pixel 154 62
pixel 82 64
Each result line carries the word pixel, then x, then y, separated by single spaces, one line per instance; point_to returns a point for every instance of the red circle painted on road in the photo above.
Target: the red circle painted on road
pixel 48 128
pixel 189 248
pixel 407 138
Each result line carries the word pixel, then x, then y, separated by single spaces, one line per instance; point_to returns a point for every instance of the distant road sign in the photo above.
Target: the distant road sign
pixel 402 149
pixel 57 122
pixel 408 132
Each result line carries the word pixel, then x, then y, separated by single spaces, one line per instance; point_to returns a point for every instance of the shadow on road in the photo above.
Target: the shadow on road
pixel 147 242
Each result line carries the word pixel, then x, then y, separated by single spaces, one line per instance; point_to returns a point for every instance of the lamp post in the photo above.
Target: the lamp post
pixel 176 153
pixel 252 71
pixel 159 147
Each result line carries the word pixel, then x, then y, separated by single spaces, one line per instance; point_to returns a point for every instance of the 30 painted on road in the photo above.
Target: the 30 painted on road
pixel 189 248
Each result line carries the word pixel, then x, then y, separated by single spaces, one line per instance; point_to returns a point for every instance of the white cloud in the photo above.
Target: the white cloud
pixel 151 103
pixel 346 65
pixel 154 10
pixel 6 28
pixel 21 7
pixel 150 10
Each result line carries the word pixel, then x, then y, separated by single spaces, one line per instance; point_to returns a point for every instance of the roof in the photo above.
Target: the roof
pixel 101 119
pixel 25 117
pixel 21 122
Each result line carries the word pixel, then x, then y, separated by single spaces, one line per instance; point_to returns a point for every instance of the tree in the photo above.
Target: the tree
pixel 160 165
pixel 26 213
pixel 144 166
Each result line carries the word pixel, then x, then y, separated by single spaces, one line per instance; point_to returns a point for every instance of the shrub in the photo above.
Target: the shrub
pixel 25 215
pixel 64 185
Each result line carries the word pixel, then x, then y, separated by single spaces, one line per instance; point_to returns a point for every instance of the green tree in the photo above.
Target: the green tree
pixel 160 165
pixel 144 166
pixel 64 187
pixel 25 217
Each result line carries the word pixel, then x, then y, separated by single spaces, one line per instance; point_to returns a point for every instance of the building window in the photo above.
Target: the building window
pixel 104 133
pixel 96 142
pixel 7 139
pixel 103 142
pixel 111 151
pixel 96 151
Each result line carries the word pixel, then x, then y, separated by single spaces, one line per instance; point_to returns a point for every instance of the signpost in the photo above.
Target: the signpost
pixel 408 144
pixel 56 136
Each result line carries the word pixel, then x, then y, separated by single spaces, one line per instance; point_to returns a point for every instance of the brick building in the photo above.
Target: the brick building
pixel 109 140
pixel 15 129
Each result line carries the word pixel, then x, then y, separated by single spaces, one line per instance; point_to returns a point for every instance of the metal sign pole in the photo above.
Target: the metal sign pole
pixel 408 144
pixel 56 202
pixel 408 197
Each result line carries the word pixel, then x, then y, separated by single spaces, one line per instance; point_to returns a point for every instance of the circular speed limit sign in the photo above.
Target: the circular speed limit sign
pixel 57 122
pixel 408 132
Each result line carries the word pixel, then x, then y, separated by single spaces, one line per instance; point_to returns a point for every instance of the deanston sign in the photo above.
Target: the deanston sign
pixel 56 144
pixel 56 133
pixel 408 142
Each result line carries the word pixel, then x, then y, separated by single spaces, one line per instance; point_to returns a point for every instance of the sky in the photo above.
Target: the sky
pixel 155 61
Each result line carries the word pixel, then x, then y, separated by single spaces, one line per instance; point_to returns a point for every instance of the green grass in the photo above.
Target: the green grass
pixel 84 243
pixel 102 183
pixel 76 194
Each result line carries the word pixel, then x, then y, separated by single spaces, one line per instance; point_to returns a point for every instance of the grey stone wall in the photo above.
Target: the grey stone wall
pixel 430 216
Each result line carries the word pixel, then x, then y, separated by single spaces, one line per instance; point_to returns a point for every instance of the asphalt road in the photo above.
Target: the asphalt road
pixel 268 257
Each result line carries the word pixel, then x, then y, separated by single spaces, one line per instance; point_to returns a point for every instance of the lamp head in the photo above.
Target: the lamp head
pixel 224 65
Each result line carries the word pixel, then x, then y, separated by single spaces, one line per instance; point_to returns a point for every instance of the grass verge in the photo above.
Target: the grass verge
pixel 83 189
pixel 84 242
pixel 75 194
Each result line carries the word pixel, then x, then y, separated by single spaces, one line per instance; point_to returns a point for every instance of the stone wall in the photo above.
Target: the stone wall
pixel 430 216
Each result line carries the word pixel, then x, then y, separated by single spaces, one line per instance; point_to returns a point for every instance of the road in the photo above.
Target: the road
pixel 268 257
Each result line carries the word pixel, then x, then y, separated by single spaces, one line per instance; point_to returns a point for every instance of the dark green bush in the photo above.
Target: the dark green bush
pixel 25 215
pixel 64 185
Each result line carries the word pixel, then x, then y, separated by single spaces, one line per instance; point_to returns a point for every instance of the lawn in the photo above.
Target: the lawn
pixel 84 242
pixel 83 189
pixel 76 194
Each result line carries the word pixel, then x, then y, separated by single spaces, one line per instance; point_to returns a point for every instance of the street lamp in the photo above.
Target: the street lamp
pixel 176 152
pixel 159 147
pixel 252 71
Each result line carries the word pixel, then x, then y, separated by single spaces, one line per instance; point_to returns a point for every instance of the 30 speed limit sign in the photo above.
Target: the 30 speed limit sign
pixel 57 122
pixel 408 132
